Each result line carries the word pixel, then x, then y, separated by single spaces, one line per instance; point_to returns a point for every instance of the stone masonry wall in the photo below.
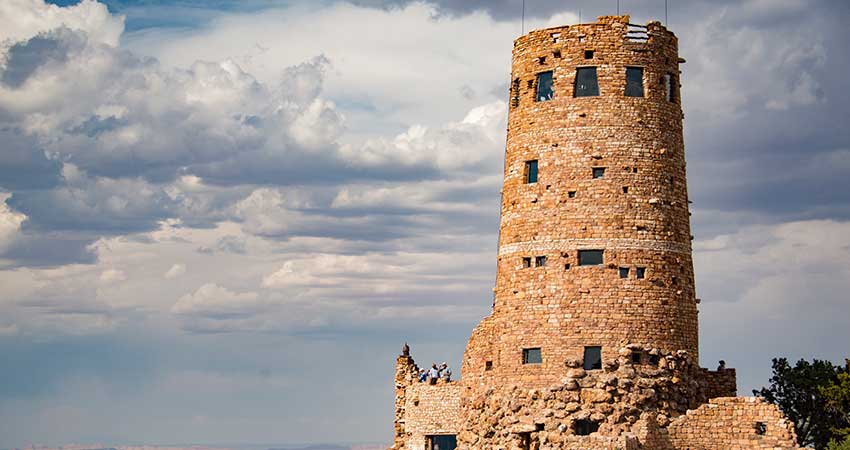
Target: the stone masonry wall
pixel 637 212
pixel 423 409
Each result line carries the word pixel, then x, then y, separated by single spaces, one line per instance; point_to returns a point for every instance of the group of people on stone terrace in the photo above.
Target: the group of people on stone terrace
pixel 435 373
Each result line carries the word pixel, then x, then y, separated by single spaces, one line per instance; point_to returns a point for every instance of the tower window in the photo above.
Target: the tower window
pixel 584 427
pixel 634 82
pixel 488 365
pixel 545 88
pixel 761 428
pixel 526 262
pixel 636 357
pixel 541 60
pixel 531 171
pixel 588 54
pixel 586 84
pixel 566 267
pixel 592 358
pixel 624 272
pixel 540 261
pixel 669 89
pixel 640 272
pixel 571 194
pixel 556 37
pixel 625 189
pixel 590 257
pixel 441 442
pixel 556 54
pixel 654 360
pixel 598 172
pixel 532 356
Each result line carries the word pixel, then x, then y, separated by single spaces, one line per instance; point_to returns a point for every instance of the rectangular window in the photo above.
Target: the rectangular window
pixel 531 171
pixel 566 267
pixel 640 272
pixel 531 356
pixel 588 54
pixel 592 358
pixel 624 272
pixel 540 261
pixel 488 365
pixel 634 81
pixel 598 172
pixel 586 84
pixel 571 194
pixel 669 91
pixel 545 88
pixel 584 427
pixel 441 442
pixel 636 357
pixel 590 257
pixel 526 262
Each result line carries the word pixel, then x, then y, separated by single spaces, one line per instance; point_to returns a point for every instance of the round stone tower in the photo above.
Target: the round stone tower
pixel 594 247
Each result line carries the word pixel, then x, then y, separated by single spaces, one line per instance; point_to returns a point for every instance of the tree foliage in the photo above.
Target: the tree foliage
pixel 799 392
pixel 837 396
pixel 843 445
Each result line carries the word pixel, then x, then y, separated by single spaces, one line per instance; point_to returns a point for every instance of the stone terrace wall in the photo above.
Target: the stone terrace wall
pixel 729 423
pixel 423 409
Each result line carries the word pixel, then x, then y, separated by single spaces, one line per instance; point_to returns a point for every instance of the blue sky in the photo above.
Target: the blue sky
pixel 219 221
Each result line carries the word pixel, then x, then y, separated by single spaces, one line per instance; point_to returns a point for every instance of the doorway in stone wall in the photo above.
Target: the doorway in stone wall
pixel 441 442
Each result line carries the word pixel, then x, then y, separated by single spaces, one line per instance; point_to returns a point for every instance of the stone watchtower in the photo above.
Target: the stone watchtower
pixel 592 342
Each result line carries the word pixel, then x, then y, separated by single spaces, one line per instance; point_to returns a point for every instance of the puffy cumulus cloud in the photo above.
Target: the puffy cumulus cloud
pixel 10 223
pixel 774 290
pixel 23 19
pixel 175 271
pixel 212 300
pixel 112 276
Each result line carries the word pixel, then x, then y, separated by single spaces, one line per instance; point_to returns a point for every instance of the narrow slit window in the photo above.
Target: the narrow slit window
pixel 634 81
pixel 592 358
pixel 598 172
pixel 669 89
pixel 640 272
pixel 526 262
pixel 590 257
pixel 586 83
pixel 540 261
pixel 532 356
pixel 545 87
pixel 624 272
pixel 531 171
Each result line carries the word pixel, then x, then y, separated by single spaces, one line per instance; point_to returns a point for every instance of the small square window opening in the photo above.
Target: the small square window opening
pixel 636 357
pixel 584 427
pixel 556 54
pixel 598 172
pixel 526 262
pixel 540 261
pixel 624 272
pixel 566 267
pixel 541 60
pixel 625 189
pixel 654 360
pixel 590 257
pixel 640 272
pixel 761 428
pixel 571 194
pixel 588 54
pixel 592 358
pixel 532 356
pixel 488 365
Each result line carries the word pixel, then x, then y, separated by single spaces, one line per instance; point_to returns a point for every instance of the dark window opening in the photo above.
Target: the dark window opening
pixel 654 360
pixel 441 442
pixel 531 356
pixel 634 82
pixel 545 88
pixel 634 170
pixel 488 365
pixel 541 60
pixel 584 427
pixel 556 53
pixel 540 261
pixel 640 272
pixel 571 194
pixel 624 272
pixel 674 281
pixel 526 262
pixel 598 172
pixel 539 427
pixel 530 83
pixel 515 93
pixel 590 257
pixel 672 181
pixel 525 439
pixel 625 189
pixel 592 358
pixel 761 428
pixel 531 171
pixel 636 357
pixel 566 267
pixel 669 89
pixel 588 54
pixel 586 84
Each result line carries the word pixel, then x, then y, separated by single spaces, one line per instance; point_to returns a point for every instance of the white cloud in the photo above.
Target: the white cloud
pixel 23 19
pixel 175 271
pixel 212 300
pixel 112 276
pixel 10 223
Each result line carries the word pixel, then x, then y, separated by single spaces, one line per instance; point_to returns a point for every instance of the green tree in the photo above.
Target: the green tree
pixel 843 445
pixel 837 396
pixel 797 391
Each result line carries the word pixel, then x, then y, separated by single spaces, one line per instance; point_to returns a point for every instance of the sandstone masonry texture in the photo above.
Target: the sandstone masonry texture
pixel 610 177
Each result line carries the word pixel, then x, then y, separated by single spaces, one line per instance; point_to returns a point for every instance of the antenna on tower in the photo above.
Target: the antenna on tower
pixel 618 7
pixel 666 24
pixel 523 17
